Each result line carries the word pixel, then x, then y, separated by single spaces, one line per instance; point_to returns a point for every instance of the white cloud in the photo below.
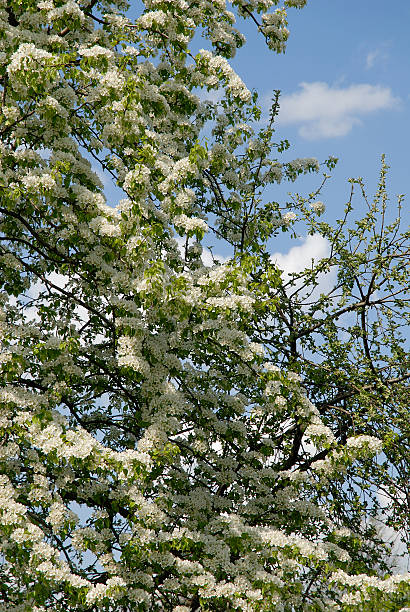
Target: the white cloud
pixel 325 111
pixel 298 258
pixel 399 558
pixel 208 258
pixel 213 95
pixel 58 281
pixel 33 294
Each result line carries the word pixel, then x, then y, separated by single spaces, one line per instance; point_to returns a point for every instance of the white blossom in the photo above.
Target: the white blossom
pixel 288 218
pixel 318 207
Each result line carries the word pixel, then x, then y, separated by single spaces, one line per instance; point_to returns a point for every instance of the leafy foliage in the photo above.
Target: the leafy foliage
pixel 177 433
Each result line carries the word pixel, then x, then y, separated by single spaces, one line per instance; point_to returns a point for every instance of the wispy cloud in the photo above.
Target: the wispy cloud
pixel 325 111
pixel 378 56
pixel 371 58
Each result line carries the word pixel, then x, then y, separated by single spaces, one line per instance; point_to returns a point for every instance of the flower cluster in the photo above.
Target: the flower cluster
pixel 153 454
pixel 218 68
pixel 318 207
pixel 288 218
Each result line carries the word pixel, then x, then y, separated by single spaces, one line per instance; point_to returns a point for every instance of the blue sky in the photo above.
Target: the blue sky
pixel 345 92
pixel 345 88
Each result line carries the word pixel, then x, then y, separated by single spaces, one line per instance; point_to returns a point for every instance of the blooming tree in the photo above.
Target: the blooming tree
pixel 177 433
